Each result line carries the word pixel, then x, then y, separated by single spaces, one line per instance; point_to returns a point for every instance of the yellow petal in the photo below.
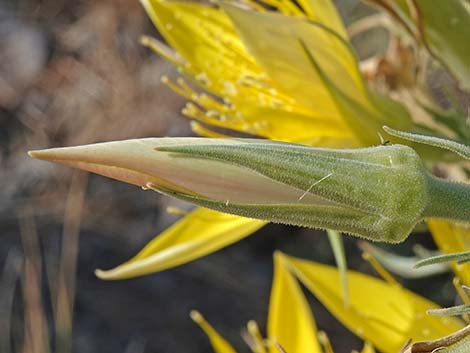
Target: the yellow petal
pixel 219 344
pixel 275 124
pixel 384 314
pixel 318 68
pixel 452 238
pixel 290 322
pixel 324 11
pixel 276 47
pixel 219 62
pixel 205 37
pixel 281 125
pixel 199 233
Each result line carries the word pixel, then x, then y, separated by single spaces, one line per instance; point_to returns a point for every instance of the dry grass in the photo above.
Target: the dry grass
pixel 98 84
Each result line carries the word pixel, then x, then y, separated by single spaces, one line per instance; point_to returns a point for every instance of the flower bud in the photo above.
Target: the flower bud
pixel 379 193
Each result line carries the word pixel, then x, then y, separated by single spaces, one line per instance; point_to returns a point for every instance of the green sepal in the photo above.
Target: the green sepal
pixel 378 193
pixel 460 257
pixel 453 146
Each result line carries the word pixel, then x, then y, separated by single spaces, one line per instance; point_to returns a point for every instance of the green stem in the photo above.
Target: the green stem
pixel 448 200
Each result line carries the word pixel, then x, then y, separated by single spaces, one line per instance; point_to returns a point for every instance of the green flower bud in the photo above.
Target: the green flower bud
pixel 379 193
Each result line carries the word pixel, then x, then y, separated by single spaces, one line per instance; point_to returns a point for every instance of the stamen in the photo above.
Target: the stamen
pixel 182 83
pixel 460 291
pixel 254 5
pixel 216 339
pixel 193 111
pixel 229 46
pixel 279 348
pixel 205 132
pixel 325 342
pixel 197 317
pixel 255 334
pixel 176 211
pixel 175 87
pixel 380 269
pixel 226 121
pixel 210 103
pixel 162 50
pixel 276 345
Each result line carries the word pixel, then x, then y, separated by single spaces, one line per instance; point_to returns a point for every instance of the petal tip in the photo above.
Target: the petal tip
pixel 278 255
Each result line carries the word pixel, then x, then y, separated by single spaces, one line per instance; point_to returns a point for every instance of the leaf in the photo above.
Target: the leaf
pixel 459 257
pixel 290 322
pixel 454 146
pixel 385 315
pixel 336 242
pixel 457 310
pixel 199 233
pixel 457 342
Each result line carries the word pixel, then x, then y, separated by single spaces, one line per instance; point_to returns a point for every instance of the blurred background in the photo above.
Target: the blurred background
pixel 74 73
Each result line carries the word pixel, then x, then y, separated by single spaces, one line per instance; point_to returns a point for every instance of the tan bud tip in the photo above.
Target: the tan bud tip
pixel 40 154
pixel 35 154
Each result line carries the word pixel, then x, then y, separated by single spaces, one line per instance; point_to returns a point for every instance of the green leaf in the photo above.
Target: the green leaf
pixel 461 257
pixel 454 146
pixel 336 242
pixel 457 310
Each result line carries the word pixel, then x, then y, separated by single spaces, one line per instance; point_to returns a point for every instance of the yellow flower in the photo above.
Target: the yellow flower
pixel 199 233
pixel 288 76
pixel 290 322
pixel 267 86
pixel 382 313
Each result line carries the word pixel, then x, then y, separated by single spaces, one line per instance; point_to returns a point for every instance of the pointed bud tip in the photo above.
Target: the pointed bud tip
pixel 45 154
pixel 101 274
pixel 36 154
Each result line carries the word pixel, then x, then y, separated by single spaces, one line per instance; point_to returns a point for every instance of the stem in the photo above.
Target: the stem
pixel 447 199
